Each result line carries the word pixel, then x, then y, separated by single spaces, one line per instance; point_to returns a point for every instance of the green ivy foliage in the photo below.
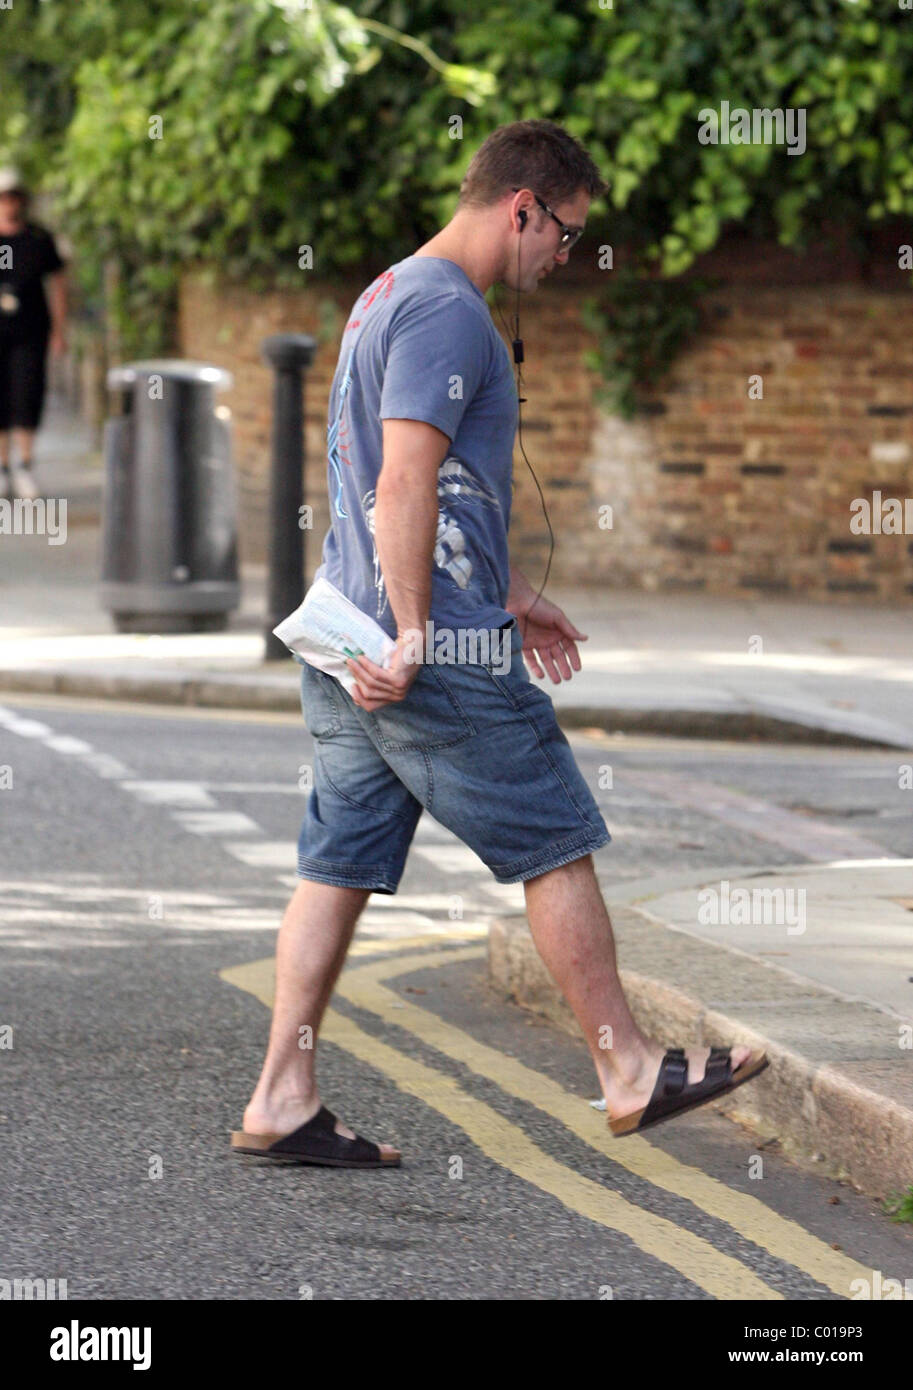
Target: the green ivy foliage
pixel 290 123
pixel 640 325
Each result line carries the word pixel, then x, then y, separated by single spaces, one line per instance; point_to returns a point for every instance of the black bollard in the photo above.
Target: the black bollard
pixel 288 354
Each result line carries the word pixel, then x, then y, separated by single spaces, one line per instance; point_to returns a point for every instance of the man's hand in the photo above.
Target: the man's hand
pixel 375 685
pixel 549 640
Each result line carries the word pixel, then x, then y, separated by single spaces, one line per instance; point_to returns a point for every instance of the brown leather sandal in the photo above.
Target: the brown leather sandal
pixel 315 1142
pixel 673 1094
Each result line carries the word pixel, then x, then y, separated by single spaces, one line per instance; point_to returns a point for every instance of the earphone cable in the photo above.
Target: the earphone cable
pixel 518 359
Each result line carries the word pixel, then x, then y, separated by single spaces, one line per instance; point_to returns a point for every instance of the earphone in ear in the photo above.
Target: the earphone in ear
pixel 521 218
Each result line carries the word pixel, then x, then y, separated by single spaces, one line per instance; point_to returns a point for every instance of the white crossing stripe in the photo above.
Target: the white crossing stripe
pixel 63 743
pixel 453 859
pixel 290 788
pixel 265 854
pixel 395 923
pixel 217 822
pixel 509 894
pixel 431 832
pixel 28 728
pixel 411 909
pixel 171 793
pixel 238 920
pixel 417 902
pixel 104 765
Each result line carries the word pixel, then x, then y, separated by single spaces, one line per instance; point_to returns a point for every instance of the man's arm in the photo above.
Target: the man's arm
pixel 520 594
pixel 406 516
pixel 57 294
pixel 405 530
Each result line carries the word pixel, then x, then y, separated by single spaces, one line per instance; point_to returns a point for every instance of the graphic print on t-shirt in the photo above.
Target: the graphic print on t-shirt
pixel 337 431
pixel 337 434
pixel 455 485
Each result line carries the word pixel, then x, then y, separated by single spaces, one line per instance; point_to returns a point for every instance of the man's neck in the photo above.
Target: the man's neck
pixel 463 241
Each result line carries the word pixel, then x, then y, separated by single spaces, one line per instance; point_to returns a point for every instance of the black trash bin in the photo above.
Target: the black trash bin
pixel 170 539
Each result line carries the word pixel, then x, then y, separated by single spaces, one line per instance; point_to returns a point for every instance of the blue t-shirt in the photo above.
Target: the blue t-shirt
pixel 420 345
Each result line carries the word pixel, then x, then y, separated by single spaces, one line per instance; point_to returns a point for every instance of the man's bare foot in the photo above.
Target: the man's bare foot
pixel 626 1095
pixel 290 1115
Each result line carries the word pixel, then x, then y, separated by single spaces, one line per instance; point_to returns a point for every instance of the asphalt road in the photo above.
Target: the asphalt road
pixel 145 859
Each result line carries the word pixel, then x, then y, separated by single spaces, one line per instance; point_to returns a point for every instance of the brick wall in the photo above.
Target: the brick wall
pixel 711 490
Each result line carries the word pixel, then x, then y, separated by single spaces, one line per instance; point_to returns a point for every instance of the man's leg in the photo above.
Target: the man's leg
pixel 573 935
pixel 359 820
pixel 313 940
pixel 25 444
pixel 22 474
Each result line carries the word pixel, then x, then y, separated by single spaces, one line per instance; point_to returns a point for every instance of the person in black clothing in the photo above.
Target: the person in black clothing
pixel 27 327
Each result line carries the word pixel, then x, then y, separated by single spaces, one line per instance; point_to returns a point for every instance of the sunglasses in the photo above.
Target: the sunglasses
pixel 569 235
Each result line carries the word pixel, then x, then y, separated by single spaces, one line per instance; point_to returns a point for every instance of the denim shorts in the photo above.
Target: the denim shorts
pixel 481 751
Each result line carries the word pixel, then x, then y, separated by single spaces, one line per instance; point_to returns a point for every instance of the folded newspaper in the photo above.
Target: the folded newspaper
pixel 327 628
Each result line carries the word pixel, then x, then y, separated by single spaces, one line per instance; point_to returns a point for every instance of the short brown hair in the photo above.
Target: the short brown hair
pixel 539 155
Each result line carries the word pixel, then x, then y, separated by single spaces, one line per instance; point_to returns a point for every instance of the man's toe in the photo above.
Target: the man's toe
pixel 738 1055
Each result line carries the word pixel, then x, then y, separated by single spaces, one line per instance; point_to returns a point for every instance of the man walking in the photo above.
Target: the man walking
pixel 28 254
pixel 422 417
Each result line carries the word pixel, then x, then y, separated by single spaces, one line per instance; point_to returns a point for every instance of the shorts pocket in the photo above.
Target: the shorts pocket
pixel 319 702
pixel 516 685
pixel 429 717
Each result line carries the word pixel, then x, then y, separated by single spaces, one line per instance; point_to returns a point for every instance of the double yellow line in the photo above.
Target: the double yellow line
pixel 717 1273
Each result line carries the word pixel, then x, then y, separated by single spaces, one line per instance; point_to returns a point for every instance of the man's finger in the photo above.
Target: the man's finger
pixel 367 665
pixel 366 701
pixel 559 657
pixel 364 669
pixel 366 683
pixel 385 686
pixel 573 655
pixel 371 704
pixel 370 676
pixel 567 627
pixel 386 690
pixel 391 676
pixel 533 663
pixel 548 661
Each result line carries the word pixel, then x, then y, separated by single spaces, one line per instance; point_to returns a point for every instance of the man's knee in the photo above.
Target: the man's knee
pixel 334 894
pixel 580 868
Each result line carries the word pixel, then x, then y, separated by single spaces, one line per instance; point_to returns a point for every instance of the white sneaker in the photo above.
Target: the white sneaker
pixel 24 484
